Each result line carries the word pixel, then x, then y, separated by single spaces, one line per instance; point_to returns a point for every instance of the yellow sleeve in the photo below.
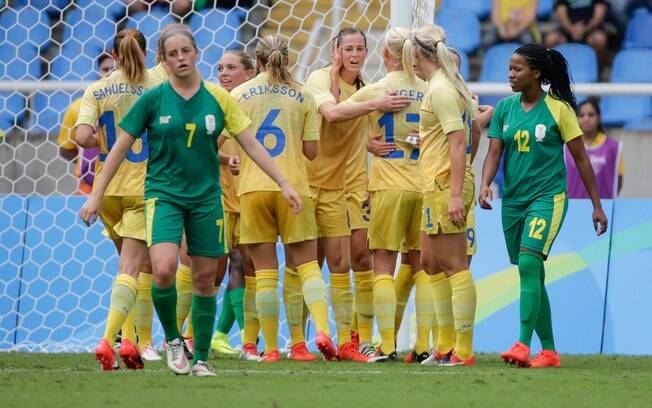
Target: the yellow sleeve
pixel 319 83
pixel 569 127
pixel 312 122
pixel 89 111
pixel 66 138
pixel 364 94
pixel 445 107
pixel 235 120
pixel 621 165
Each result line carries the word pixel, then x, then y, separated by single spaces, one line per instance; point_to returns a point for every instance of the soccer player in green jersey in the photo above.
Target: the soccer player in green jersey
pixel 530 128
pixel 183 118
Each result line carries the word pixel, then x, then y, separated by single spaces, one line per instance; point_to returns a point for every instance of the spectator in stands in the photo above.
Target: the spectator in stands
pixel 515 21
pixel 85 166
pixel 605 154
pixel 580 21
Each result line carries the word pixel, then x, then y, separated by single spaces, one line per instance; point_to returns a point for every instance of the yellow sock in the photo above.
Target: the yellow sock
pixel 251 322
pixel 188 332
pixel 385 308
pixel 123 298
pixel 354 316
pixel 425 311
pixel 342 300
pixel 364 304
pixel 441 296
pixel 464 302
pixel 435 330
pixel 184 294
pixel 403 282
pixel 314 293
pixel 128 328
pixel 144 309
pixel 293 302
pixel 267 305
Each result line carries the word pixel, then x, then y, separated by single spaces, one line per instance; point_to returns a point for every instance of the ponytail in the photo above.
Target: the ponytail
pixel 129 46
pixel 272 56
pixel 399 45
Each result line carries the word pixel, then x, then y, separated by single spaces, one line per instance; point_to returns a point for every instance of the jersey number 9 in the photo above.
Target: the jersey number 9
pixel 268 128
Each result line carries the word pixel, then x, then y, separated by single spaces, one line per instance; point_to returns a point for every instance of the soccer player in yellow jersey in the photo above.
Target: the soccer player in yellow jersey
pixel 287 124
pixel 445 131
pixel 104 103
pixel 343 127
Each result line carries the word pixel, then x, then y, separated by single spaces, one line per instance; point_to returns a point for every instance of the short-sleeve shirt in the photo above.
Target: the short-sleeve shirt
pixel 342 158
pixel 398 170
pixel 283 116
pixel 533 145
pixel 229 181
pixel 66 138
pixel 183 160
pixel 443 111
pixel 158 74
pixel 579 10
pixel 104 104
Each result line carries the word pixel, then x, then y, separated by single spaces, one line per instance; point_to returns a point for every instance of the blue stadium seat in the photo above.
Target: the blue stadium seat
pixel 12 109
pixel 639 124
pixel 215 30
pixel 464 65
pixel 462 29
pixel 24 26
pixel 75 62
pixel 49 108
pixel 480 8
pixel 582 61
pixel 639 30
pixel 150 24
pixel 49 6
pixel 630 65
pixel 91 25
pixel 495 67
pixel 545 9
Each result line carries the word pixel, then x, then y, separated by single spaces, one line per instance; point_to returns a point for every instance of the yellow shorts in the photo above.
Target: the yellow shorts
pixel 395 220
pixel 471 235
pixel 434 218
pixel 330 213
pixel 232 228
pixel 264 215
pixel 124 217
pixel 357 207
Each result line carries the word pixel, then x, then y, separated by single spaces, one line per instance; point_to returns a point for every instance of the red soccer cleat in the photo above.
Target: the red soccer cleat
pixel 249 352
pixel 546 358
pixel 299 352
pixel 326 346
pixel 130 355
pixel 105 356
pixel 348 351
pixel 456 361
pixel 271 357
pixel 518 355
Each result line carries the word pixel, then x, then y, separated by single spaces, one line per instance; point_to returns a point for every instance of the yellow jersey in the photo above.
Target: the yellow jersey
pixel 442 112
pixel 513 10
pixel 398 170
pixel 283 116
pixel 157 74
pixel 229 181
pixel 105 103
pixel 66 138
pixel 341 162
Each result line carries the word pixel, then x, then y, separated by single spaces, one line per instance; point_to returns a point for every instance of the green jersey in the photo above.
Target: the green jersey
pixel 533 156
pixel 184 165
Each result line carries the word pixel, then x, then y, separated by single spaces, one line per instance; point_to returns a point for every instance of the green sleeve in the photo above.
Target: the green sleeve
pixel 136 120
pixel 496 127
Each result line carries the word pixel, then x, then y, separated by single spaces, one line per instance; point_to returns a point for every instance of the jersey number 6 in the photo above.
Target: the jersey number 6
pixel 268 128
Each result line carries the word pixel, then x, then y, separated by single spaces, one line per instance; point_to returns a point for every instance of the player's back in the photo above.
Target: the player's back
pixel 283 116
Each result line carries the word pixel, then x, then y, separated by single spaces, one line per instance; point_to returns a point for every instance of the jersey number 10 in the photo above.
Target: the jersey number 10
pixel 108 121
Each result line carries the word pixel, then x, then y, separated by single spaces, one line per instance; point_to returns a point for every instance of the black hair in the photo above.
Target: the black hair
pixel 554 71
pixel 595 103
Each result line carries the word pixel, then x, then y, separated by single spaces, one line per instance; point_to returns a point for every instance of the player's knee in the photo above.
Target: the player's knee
pixel 361 260
pixel 164 272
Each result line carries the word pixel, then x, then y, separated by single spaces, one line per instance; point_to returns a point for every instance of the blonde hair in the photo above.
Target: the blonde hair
pixel 170 31
pixel 272 54
pixel 159 43
pixel 399 45
pixel 130 47
pixel 430 40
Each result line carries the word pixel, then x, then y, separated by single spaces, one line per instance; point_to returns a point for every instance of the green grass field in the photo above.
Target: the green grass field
pixel 73 380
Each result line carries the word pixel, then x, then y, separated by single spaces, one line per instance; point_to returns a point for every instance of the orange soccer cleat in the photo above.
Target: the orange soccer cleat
pixel 326 346
pixel 299 352
pixel 546 358
pixel 518 355
pixel 456 361
pixel 271 357
pixel 105 356
pixel 130 355
pixel 349 351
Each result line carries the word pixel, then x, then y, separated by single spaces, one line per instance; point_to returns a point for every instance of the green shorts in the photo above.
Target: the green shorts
pixel 533 225
pixel 203 223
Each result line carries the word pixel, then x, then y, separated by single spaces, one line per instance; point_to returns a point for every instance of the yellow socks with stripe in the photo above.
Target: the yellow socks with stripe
pixel 342 300
pixel 314 294
pixel 364 304
pixel 425 311
pixel 184 293
pixel 144 309
pixel 123 298
pixel 385 308
pixel 403 282
pixel 251 322
pixel 267 305
pixel 441 296
pixel 464 302
pixel 293 302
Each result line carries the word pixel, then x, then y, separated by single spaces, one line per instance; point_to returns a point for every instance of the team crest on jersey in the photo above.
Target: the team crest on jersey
pixel 505 127
pixel 164 120
pixel 540 132
pixel 210 124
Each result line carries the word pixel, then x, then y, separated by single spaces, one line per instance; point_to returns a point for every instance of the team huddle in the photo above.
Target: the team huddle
pixel 199 173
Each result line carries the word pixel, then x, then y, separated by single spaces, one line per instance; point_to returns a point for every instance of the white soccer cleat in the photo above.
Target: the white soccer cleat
pixel 176 357
pixel 149 353
pixel 201 369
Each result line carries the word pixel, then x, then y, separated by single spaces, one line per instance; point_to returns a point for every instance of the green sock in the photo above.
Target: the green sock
pixel 529 270
pixel 165 303
pixel 225 322
pixel 544 321
pixel 237 302
pixel 203 318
